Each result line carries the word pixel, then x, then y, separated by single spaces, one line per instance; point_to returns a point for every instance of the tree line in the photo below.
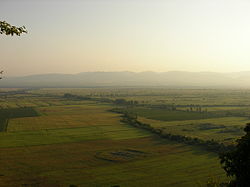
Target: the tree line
pixel 118 101
pixel 210 145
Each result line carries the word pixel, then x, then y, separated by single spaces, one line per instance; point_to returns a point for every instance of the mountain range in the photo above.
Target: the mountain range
pixel 174 79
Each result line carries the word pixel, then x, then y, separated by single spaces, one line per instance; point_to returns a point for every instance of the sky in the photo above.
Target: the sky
pixel 126 35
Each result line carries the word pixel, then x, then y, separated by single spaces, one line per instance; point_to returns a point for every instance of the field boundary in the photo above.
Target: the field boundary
pixel 6 114
pixel 209 145
pixel 4 125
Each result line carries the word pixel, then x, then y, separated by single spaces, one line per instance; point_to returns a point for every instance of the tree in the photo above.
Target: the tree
pixel 7 29
pixel 236 163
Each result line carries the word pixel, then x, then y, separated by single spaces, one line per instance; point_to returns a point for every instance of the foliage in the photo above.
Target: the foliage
pixel 7 29
pixel 215 182
pixel 236 163
pixel 1 72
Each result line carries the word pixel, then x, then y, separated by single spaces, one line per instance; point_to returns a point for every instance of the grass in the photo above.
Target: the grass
pixel 8 113
pixel 68 116
pixel 155 95
pixel 232 128
pixel 55 136
pixel 61 146
pixel 167 115
pixel 166 164
pixel 70 123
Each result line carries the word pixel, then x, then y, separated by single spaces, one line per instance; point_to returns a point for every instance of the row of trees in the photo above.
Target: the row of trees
pixel 209 145
pixel 122 102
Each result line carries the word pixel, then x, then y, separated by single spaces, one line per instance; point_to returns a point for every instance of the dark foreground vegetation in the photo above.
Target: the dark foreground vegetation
pixel 236 163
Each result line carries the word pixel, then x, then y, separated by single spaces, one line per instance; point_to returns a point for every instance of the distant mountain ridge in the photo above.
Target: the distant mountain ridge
pixel 176 79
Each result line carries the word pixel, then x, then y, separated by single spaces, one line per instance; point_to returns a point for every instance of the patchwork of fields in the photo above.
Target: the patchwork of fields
pixel 83 143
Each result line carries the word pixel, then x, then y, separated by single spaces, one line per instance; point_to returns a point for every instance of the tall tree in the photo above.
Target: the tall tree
pixel 236 163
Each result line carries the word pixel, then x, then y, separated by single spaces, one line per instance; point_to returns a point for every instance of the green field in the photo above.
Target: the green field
pixel 167 115
pixel 154 95
pixel 225 130
pixel 83 143
pixel 88 163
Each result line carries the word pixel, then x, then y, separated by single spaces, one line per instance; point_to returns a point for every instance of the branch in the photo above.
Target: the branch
pixel 7 29
pixel 1 72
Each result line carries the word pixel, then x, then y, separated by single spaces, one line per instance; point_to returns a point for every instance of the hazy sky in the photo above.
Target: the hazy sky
pixel 71 36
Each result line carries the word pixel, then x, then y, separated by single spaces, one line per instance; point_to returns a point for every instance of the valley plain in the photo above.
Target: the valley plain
pixel 63 137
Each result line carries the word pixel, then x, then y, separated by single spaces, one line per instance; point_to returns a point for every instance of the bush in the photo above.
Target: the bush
pixel 236 163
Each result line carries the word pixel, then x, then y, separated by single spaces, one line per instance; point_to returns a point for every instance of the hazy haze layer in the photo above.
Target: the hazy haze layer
pixel 174 79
